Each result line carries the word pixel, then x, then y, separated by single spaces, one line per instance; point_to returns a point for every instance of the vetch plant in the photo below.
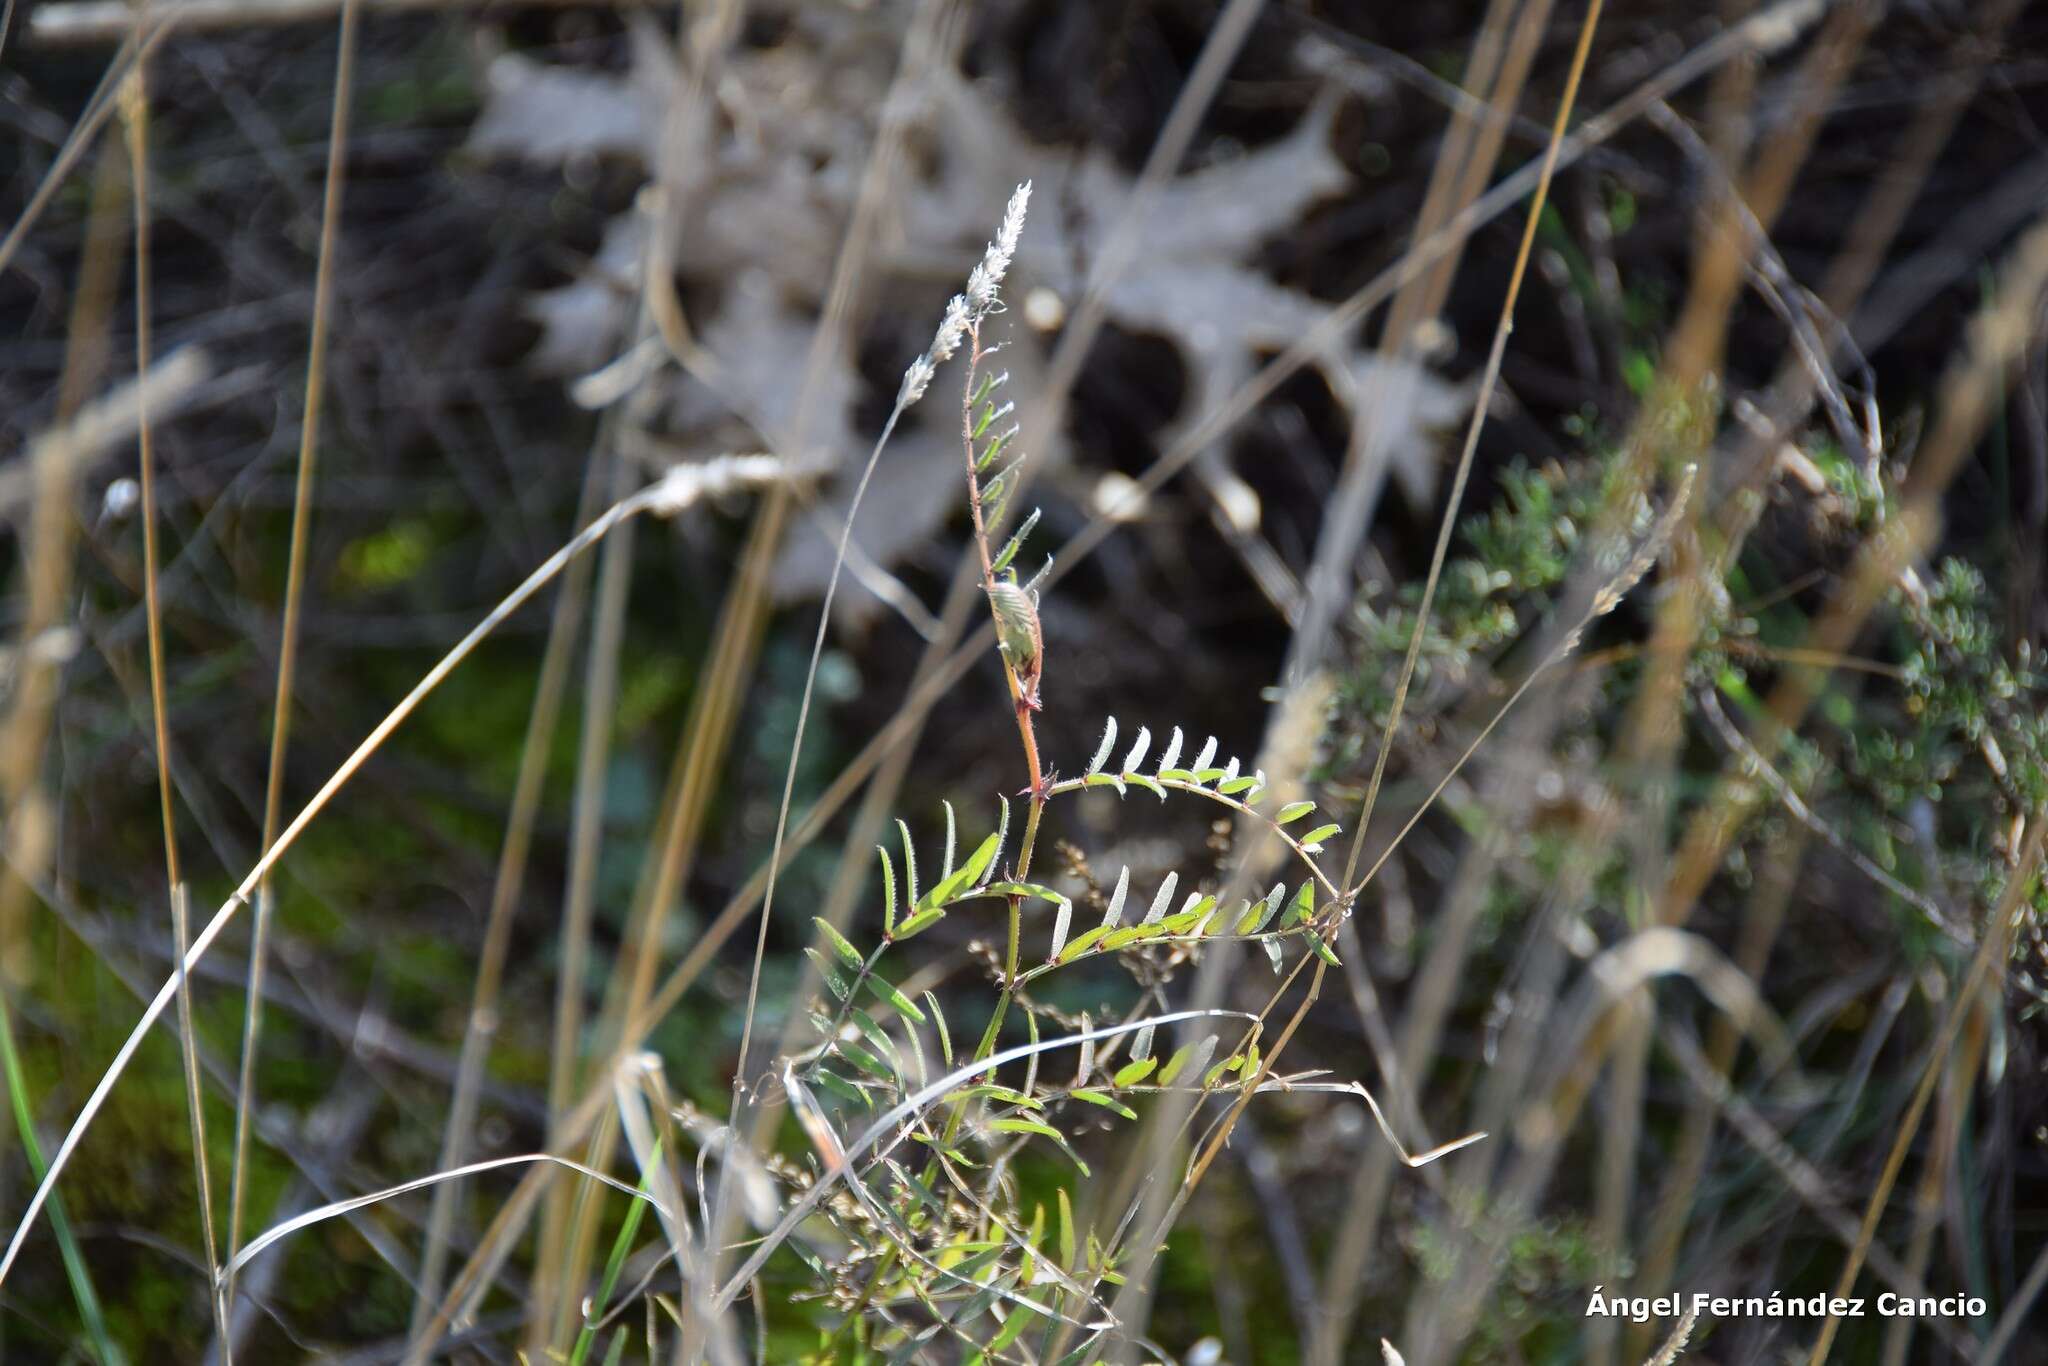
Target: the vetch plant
pixel 912 1220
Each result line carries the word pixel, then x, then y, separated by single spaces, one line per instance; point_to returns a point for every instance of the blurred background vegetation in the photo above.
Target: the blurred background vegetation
pixel 581 243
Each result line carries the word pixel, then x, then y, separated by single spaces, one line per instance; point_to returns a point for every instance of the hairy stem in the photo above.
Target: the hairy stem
pixel 975 356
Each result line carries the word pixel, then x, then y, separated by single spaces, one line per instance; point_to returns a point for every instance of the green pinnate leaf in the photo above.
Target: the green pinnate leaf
pixel 988 458
pixel 1015 543
pixel 835 980
pixel 1016 1124
pixel 909 865
pixel 888 891
pixel 1012 1329
pixel 841 1087
pixel 983 856
pixel 871 1030
pixel 961 878
pixel 1131 1073
pixel 918 924
pixel 1219 1072
pixel 1081 943
pixel 989 414
pixel 945 1035
pixel 991 1091
pixel 864 1060
pixel 896 1000
pixel 1304 904
pixel 1107 1102
pixel 1129 935
pixel 1191 920
pixel 1149 784
pixel 848 954
pixel 1256 917
pixel 1030 889
pixel 1188 1055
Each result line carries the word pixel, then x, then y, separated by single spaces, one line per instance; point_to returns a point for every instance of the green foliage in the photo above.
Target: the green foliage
pixel 1515 555
pixel 1963 738
pixel 1539 1306
pixel 1952 729
pixel 980 1267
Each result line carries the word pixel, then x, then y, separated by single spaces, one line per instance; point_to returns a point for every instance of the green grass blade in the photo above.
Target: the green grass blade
pixel 621 1246
pixel 60 1223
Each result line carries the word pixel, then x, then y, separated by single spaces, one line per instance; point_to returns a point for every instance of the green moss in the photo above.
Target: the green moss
pixel 386 557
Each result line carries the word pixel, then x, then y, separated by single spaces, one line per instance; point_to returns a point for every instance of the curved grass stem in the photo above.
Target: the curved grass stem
pixel 668 496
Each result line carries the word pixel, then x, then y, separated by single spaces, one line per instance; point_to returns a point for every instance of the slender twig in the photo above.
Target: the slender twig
pixel 181 916
pixel 519 825
pixel 269 1237
pixel 148 31
pixel 1990 951
pixel 288 640
pixel 796 745
pixel 553 1303
pixel 1480 404
pixel 134 99
pixel 1738 744
pixel 2018 1311
pixel 82 23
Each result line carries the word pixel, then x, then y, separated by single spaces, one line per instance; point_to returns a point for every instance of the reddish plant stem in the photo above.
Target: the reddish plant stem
pixel 1025 729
